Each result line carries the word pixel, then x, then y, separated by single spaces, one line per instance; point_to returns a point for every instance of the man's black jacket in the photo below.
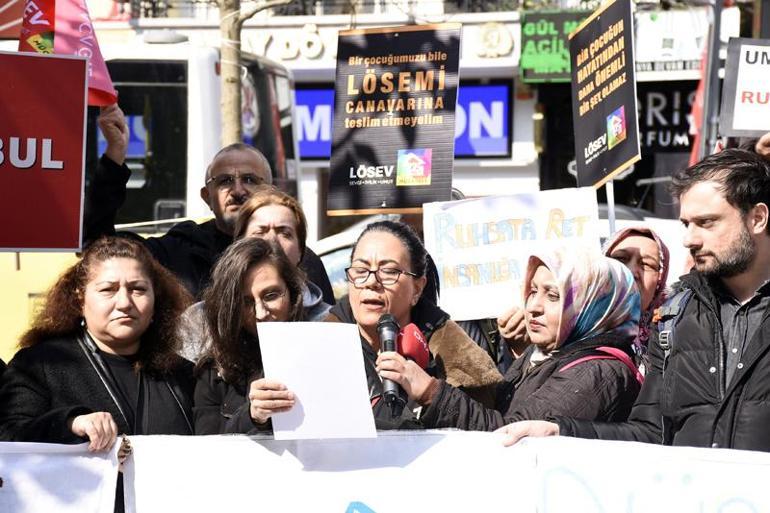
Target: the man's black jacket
pixel 690 404
pixel 189 250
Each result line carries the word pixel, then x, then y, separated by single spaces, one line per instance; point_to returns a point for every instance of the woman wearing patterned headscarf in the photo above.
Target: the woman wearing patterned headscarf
pixel 641 250
pixel 582 313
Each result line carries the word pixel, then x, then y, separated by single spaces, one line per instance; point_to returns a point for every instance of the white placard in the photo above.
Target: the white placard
pixel 323 365
pixel 481 246
pixel 752 95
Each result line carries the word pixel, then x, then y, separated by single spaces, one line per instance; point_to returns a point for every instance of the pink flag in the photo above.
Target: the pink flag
pixel 696 113
pixel 64 27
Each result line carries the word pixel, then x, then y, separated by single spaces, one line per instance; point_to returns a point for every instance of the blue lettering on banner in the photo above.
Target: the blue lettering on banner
pixel 482 121
pixel 358 507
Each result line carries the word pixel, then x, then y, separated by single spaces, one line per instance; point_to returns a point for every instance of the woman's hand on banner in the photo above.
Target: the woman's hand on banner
pixel 517 430
pixel 99 428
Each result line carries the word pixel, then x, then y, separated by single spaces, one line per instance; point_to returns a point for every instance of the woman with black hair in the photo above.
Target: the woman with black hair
pixel 388 274
pixel 252 282
pixel 100 358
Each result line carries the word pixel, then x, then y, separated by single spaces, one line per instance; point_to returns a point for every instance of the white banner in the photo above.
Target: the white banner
pixel 611 477
pixel 481 246
pixel 397 472
pixel 443 471
pixel 38 478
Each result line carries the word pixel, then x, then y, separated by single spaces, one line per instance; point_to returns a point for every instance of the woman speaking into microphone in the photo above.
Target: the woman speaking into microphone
pixel 388 277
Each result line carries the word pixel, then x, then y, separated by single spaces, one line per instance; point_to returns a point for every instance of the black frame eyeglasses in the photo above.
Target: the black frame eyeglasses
pixel 226 181
pixel 383 275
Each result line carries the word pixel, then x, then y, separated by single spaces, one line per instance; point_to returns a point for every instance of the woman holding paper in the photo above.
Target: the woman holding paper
pixel 275 216
pixel 100 358
pixel 387 275
pixel 252 282
pixel 582 315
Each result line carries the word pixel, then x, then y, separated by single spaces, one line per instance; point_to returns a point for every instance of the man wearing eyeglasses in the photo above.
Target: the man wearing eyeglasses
pixel 189 250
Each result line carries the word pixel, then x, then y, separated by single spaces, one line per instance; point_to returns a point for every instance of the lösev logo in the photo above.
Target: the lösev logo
pixel 616 127
pixel 595 148
pixel 363 171
pixel 414 167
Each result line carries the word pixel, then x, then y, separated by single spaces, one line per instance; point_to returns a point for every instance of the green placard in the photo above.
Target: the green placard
pixel 545 44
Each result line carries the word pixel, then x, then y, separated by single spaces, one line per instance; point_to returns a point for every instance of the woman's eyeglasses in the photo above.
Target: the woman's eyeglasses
pixel 383 275
pixel 270 301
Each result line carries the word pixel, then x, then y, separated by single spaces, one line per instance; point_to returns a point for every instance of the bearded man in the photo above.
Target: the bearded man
pixel 709 382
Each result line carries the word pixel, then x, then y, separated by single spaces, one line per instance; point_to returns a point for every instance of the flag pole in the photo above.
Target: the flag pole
pixel 611 205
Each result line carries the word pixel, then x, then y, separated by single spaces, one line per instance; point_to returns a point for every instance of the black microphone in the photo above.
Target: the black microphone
pixel 387 331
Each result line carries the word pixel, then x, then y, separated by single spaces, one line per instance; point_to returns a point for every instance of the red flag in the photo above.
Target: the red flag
pixel 64 27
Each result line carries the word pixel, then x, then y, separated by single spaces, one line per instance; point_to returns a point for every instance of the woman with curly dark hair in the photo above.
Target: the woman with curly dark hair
pixel 253 282
pixel 100 358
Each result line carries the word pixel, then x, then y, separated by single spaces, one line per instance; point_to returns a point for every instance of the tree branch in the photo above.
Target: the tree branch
pixel 251 11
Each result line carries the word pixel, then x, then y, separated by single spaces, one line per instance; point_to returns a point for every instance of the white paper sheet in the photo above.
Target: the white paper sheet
pixel 322 363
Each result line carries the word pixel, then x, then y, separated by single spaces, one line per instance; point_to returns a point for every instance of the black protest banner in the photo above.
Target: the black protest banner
pixel 394 123
pixel 745 108
pixel 545 44
pixel 604 94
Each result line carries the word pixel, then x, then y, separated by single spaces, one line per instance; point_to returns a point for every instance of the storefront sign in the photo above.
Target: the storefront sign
pixel 664 116
pixel 393 137
pixel 305 43
pixel 604 108
pixel 482 121
pixel 545 45
pixel 41 151
pixel 746 93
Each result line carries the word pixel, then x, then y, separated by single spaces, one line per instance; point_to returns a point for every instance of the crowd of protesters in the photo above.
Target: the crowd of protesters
pixel 159 335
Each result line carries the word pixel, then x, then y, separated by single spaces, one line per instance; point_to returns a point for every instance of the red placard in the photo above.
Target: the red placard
pixel 42 137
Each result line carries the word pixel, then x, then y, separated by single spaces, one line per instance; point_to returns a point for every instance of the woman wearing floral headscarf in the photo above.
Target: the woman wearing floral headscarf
pixel 646 256
pixel 582 313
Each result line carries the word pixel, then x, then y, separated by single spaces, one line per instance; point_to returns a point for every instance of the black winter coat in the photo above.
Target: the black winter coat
pixel 55 380
pixel 602 389
pixel 221 407
pixel 691 398
pixel 189 250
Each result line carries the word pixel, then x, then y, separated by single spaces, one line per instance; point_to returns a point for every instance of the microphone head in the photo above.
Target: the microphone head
pixel 412 345
pixel 387 321
pixel 387 331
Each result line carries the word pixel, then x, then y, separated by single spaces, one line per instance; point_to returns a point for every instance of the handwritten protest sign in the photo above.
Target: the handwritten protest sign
pixel 481 246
